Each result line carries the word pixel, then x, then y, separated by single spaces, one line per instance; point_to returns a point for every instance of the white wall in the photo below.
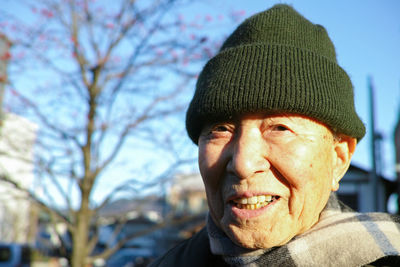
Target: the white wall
pixel 17 137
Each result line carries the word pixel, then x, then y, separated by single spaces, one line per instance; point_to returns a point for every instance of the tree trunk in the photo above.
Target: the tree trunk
pixel 80 235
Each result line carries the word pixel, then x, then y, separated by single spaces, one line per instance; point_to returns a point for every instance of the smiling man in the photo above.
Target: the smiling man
pixel 266 176
pixel 273 116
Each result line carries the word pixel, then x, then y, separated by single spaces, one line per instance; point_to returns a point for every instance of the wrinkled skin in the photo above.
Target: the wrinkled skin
pixel 291 157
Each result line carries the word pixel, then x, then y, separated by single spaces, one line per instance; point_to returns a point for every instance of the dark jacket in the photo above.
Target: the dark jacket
pixel 193 252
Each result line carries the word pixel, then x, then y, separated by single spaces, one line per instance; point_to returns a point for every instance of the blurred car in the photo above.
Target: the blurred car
pixel 15 255
pixel 130 257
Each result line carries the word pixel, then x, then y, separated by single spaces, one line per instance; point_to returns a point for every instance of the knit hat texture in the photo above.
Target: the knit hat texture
pixel 275 61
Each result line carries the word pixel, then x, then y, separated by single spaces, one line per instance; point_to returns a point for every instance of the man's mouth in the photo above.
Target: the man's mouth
pixel 254 202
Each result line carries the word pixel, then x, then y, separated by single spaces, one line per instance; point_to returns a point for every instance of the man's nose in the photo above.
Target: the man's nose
pixel 248 154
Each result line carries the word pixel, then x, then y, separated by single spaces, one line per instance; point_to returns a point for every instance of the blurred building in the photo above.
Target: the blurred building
pixel 17 136
pixel 158 222
pixel 187 194
pixel 358 190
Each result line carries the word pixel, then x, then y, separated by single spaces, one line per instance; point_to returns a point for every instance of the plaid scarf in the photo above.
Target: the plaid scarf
pixel 340 238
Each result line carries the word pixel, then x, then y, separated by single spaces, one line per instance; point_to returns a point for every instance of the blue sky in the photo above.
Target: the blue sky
pixel 366 35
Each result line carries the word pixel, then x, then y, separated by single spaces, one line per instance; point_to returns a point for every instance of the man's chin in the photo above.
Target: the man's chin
pixel 255 239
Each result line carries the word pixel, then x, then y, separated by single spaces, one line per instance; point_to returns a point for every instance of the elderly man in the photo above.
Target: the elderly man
pixel 273 116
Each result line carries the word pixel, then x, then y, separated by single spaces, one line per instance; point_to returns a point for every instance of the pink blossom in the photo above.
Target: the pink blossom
pixel 239 13
pixel 47 13
pixel 5 56
pixel 14 92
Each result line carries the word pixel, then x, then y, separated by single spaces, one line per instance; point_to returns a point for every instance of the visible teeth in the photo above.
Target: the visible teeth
pixel 254 199
pixel 254 202
pixel 242 201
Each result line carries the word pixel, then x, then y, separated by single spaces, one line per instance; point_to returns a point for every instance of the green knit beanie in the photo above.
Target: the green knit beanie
pixel 275 61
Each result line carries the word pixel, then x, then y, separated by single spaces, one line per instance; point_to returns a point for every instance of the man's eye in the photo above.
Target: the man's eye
pixel 218 131
pixel 220 128
pixel 280 128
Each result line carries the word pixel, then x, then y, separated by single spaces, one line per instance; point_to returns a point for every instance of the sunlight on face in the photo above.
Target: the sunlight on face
pixel 267 178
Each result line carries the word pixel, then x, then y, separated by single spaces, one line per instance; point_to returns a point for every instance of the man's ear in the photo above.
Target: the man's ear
pixel 344 147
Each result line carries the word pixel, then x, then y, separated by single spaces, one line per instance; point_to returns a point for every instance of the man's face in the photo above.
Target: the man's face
pixel 267 178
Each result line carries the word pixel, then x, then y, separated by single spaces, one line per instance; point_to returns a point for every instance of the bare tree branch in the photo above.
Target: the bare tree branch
pixel 126 68
pixel 32 196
